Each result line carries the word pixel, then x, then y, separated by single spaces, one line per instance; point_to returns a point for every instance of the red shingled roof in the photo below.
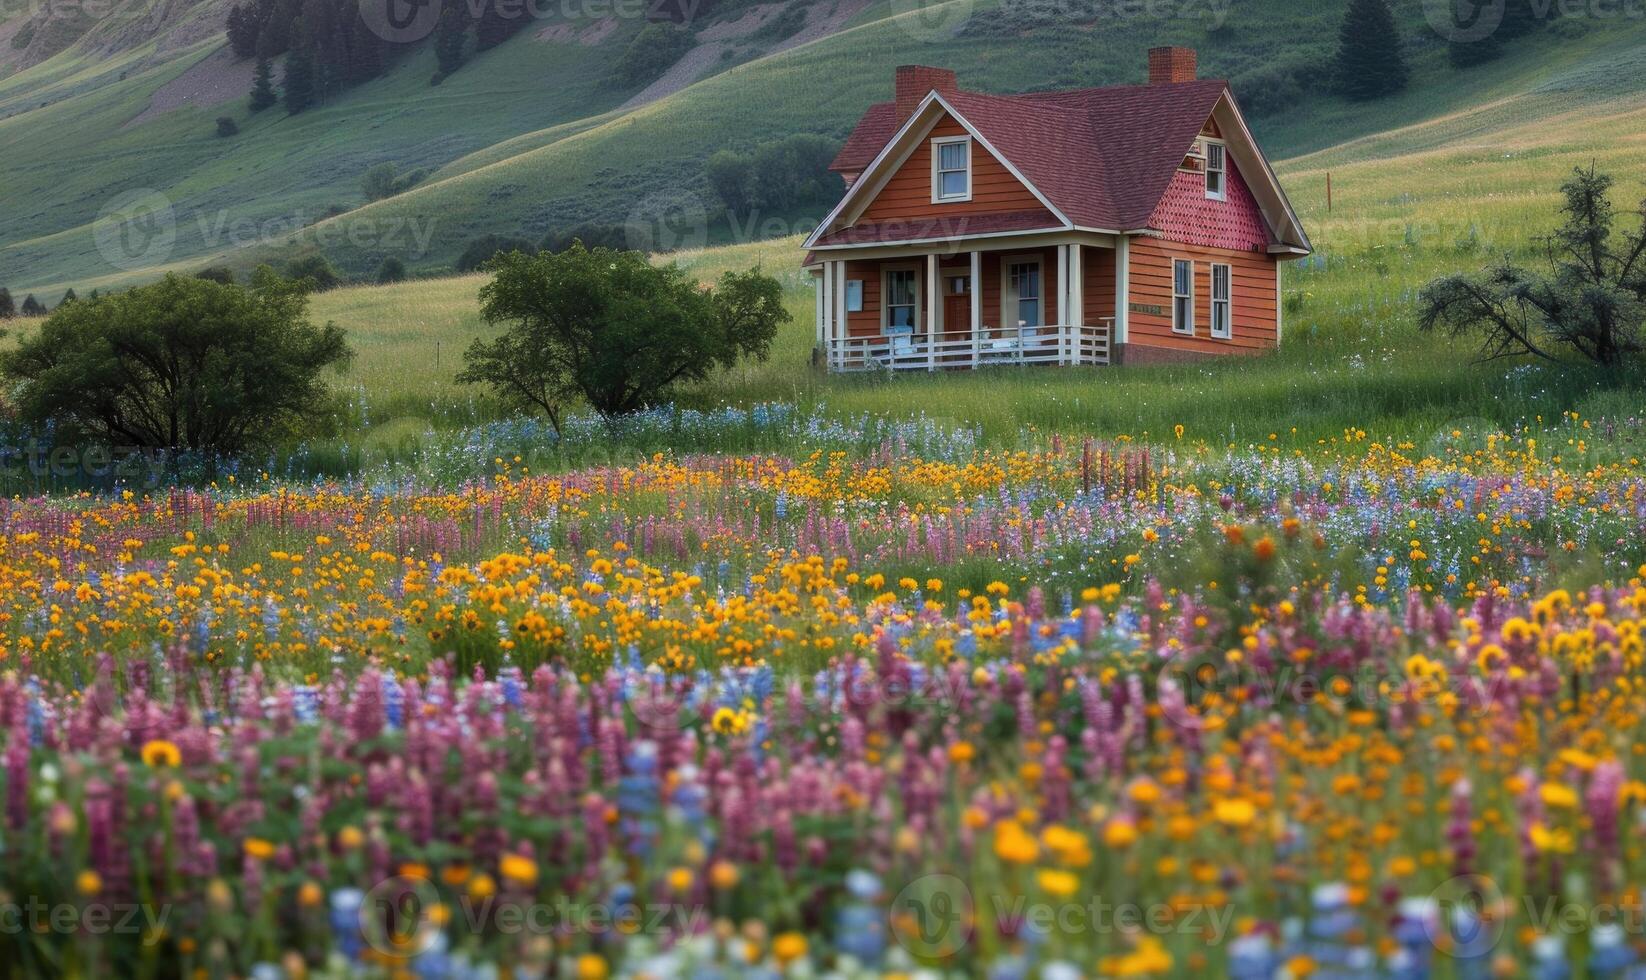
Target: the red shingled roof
pixel 1102 156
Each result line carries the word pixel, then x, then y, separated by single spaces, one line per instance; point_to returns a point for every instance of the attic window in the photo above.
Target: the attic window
pixel 951 169
pixel 1217 177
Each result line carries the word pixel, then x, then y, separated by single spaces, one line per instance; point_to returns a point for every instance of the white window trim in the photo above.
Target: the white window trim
pixel 886 271
pixel 1189 332
pixel 1227 302
pixel 937 175
pixel 1223 194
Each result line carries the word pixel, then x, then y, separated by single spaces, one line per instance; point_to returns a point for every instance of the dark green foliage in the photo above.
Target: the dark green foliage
pixel 613 329
pixel 384 180
pixel 1370 63
pixel 591 234
pixel 450 36
pixel 1276 86
pixel 1591 302
pixel 226 126
pixel 217 273
pixel 652 52
pixel 499 21
pixel 777 176
pixel 392 270
pixel 243 28
pixel 8 309
pixel 32 306
pixel 68 297
pixel 315 271
pixel 263 94
pixel 482 249
pixel 299 81
pixel 785 25
pixel 183 363
pixel 729 173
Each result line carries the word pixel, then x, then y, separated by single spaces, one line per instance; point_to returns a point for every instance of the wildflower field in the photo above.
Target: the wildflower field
pixel 872 698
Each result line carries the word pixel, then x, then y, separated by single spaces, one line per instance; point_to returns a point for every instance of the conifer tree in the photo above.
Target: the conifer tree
pixel 8 309
pixel 1370 63
pixel 299 79
pixel 32 306
pixel 263 94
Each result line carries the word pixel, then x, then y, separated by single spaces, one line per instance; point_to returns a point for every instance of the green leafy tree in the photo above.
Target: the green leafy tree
pixel 384 180
pixel 613 329
pixel 217 273
pixel 729 172
pixel 392 270
pixel 1592 301
pixel 652 52
pixel 183 363
pixel 483 249
pixel 315 271
pixel 1370 62
pixel 263 94
pixel 591 234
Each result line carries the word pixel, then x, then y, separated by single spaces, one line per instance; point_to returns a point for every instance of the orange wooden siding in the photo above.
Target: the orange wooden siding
pixel 908 194
pixel 1252 298
pixel 1099 301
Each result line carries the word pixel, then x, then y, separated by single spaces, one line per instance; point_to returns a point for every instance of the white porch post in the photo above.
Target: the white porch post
pixel 820 286
pixel 1062 304
pixel 839 299
pixel 934 297
pixel 1077 301
pixel 977 307
pixel 1122 292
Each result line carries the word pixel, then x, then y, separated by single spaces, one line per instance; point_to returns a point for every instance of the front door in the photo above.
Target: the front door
pixel 1022 294
pixel 957 305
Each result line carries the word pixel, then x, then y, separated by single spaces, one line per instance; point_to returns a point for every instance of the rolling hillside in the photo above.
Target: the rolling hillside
pixel 536 135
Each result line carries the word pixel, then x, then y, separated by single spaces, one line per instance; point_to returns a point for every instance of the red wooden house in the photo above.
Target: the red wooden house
pixel 1134 223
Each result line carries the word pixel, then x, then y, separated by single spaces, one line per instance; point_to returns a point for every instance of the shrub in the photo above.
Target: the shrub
pixel 1592 302
pixel 226 126
pixel 183 363
pixel 652 52
pixel 316 271
pixel 392 270
pixel 591 234
pixel 383 180
pixel 777 176
pixel 217 273
pixel 483 249
pixel 614 329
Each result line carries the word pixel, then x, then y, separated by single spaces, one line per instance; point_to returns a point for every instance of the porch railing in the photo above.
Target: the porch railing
pixel 1062 344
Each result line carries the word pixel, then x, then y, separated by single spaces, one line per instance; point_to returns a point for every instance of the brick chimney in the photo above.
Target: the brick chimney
pixel 914 82
pixel 1169 65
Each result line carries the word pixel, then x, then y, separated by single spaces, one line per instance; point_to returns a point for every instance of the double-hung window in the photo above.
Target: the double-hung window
pixel 1222 321
pixel 902 297
pixel 951 169
pixel 1183 296
pixel 1217 172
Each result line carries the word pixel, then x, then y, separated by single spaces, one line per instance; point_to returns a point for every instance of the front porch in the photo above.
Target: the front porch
pixel 947 308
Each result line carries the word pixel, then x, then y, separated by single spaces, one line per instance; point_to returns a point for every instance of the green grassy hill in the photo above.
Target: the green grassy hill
pixel 534 135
